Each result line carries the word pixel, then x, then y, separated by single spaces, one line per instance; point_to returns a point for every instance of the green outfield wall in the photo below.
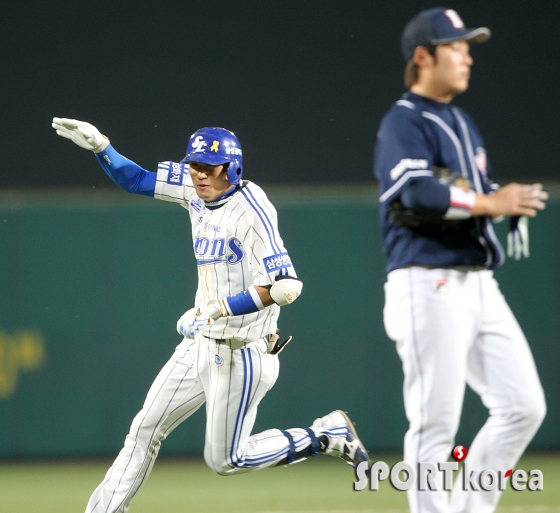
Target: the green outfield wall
pixel 92 284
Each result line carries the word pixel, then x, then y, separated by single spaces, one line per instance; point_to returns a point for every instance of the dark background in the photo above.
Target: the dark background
pixel 304 84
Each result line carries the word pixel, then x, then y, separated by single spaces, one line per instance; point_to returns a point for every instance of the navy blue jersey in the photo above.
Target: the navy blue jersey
pixel 415 135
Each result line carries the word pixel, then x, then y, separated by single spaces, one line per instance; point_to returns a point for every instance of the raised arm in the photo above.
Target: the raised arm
pixel 128 175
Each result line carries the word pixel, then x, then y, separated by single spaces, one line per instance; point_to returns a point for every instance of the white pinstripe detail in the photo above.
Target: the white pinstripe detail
pixel 262 209
pixel 464 171
pixel 470 153
pixel 453 136
pixel 248 379
pixel 406 103
pixel 478 186
pixel 407 165
pixel 299 444
pixel 402 180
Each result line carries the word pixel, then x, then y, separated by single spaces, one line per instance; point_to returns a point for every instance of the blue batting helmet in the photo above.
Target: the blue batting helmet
pixel 215 146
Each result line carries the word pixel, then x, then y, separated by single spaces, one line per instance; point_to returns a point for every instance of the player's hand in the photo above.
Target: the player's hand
pixel 192 321
pixel 85 135
pixel 512 200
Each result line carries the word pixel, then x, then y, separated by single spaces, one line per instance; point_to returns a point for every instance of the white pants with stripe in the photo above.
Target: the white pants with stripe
pixel 454 328
pixel 232 382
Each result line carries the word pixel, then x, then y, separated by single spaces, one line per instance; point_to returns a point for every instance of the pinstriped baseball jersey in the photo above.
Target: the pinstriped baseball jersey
pixel 236 244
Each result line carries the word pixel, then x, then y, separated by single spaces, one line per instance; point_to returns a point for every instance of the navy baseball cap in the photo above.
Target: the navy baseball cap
pixel 438 26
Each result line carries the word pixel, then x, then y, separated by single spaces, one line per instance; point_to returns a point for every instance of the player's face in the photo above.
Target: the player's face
pixel 452 69
pixel 446 75
pixel 210 182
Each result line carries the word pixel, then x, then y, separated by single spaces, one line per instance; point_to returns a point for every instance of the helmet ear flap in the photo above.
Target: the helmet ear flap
pixel 234 172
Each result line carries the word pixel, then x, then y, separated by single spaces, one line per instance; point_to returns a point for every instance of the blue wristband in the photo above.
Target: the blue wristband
pixel 245 302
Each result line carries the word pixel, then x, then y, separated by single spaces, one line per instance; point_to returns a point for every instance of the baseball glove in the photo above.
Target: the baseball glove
pixel 398 213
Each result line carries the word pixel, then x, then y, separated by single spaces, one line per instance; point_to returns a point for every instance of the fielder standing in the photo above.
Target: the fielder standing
pixel 228 358
pixel 443 308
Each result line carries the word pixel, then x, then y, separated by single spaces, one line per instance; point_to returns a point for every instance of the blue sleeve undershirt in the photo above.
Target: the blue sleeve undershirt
pixel 128 175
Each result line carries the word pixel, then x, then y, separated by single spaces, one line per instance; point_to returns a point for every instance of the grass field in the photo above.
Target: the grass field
pixel 187 485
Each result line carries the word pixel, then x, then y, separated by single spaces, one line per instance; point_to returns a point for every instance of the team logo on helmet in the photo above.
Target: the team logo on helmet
pixel 199 144
pixel 215 146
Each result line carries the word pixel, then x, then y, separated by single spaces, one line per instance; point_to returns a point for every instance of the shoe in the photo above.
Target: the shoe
pixel 342 438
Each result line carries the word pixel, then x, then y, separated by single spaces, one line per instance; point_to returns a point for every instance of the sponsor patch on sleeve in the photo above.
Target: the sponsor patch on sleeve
pixel 175 174
pixel 277 262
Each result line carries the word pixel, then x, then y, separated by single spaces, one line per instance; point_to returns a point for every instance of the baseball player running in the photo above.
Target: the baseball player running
pixel 443 308
pixel 228 357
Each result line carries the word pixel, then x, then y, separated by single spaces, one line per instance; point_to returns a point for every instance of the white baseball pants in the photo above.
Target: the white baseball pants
pixel 451 328
pixel 232 382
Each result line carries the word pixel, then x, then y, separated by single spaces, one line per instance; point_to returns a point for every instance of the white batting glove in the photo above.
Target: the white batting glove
pixel 192 321
pixel 85 135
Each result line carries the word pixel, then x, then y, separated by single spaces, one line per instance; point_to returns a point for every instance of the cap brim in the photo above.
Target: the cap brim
pixel 205 158
pixel 473 36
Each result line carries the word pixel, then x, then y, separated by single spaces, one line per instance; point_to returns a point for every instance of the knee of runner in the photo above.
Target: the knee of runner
pixel 143 428
pixel 219 466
